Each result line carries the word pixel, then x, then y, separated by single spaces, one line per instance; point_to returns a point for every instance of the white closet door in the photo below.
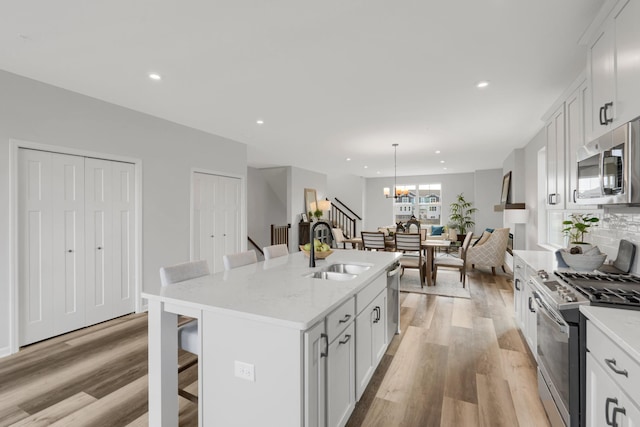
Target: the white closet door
pixel 68 243
pixel 99 240
pixel 123 238
pixel 227 215
pixel 35 264
pixel 216 218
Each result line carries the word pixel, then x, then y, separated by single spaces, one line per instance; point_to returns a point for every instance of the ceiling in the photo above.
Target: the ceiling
pixel 330 79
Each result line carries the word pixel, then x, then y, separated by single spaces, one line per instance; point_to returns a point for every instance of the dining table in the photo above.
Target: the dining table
pixel 428 248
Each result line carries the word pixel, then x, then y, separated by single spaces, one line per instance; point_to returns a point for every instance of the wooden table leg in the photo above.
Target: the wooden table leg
pixel 163 366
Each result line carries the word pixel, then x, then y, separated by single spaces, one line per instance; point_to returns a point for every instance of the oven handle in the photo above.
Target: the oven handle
pixel 549 312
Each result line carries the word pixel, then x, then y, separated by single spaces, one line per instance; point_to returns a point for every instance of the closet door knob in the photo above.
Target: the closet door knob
pixel 70 250
pixel 99 248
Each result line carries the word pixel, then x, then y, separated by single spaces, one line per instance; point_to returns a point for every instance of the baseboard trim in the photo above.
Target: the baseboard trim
pixel 5 351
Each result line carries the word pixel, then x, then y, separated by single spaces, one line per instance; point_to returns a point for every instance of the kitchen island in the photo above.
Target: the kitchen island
pixel 277 348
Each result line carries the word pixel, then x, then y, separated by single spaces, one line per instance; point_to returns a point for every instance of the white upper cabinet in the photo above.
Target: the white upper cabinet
pixel 613 68
pixel 554 128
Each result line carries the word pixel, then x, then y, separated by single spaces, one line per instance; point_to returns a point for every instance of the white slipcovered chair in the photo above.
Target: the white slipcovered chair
pixel 275 251
pixel 239 259
pixel 490 253
pixel 188 332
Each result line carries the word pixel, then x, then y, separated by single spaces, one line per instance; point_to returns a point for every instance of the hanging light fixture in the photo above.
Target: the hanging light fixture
pixel 397 191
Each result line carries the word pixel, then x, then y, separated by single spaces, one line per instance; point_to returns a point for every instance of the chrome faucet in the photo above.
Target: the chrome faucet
pixel 312 255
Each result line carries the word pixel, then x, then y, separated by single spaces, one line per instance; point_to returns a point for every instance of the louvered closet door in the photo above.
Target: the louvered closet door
pixel 50 241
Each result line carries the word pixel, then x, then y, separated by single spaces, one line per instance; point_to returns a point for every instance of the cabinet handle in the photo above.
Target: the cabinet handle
pixel 530 305
pixel 575 192
pixel 516 283
pixel 617 411
pixel 326 345
pixel 611 363
pixel 346 339
pixel 606 108
pixel 376 310
pixel 345 319
pixel 602 122
pixel 606 409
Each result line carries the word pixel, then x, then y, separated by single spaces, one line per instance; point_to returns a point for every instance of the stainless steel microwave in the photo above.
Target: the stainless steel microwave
pixel 609 167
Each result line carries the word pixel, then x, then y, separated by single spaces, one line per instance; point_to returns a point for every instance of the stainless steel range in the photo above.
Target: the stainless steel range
pixel 561 334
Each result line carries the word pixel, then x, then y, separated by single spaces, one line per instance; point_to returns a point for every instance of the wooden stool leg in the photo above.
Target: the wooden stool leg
pixel 493 271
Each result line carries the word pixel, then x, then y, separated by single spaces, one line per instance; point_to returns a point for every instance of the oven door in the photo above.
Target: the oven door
pixel 553 356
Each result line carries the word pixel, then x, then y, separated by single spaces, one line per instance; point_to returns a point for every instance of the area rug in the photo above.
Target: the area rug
pixel 448 284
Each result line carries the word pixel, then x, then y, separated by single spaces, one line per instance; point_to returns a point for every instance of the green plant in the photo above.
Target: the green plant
pixel 460 217
pixel 318 213
pixel 577 226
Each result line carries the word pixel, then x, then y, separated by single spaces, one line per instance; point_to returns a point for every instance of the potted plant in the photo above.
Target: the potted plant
pixel 577 226
pixel 460 217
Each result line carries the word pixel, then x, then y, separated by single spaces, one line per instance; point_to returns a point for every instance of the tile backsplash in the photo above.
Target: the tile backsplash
pixel 616 224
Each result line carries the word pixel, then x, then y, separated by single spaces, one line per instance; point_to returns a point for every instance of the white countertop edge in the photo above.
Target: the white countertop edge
pixel 302 326
pixel 621 325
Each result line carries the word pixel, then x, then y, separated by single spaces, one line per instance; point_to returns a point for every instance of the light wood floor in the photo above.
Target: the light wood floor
pixel 458 362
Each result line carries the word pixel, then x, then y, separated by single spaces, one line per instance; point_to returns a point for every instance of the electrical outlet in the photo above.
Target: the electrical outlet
pixel 245 371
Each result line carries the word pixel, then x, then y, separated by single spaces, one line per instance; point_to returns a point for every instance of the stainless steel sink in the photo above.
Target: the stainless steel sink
pixel 330 275
pixel 347 268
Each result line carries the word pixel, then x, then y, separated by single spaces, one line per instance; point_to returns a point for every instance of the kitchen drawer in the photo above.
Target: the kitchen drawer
pixel 365 296
pixel 605 351
pixel 340 318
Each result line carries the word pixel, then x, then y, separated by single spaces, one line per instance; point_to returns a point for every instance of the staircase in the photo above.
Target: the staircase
pixel 341 216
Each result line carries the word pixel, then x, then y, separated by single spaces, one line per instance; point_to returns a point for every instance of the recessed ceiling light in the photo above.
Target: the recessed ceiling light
pixel 441 161
pixel 366 167
pixel 260 121
pixel 444 168
pixel 378 172
pixel 155 76
pixel 348 159
pixel 482 84
pixel 437 151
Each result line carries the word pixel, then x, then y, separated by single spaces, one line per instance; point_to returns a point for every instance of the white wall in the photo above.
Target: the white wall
pixel 40 113
pixel 297 181
pixel 488 187
pixel 266 202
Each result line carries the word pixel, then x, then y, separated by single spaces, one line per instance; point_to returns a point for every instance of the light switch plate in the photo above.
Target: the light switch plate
pixel 245 371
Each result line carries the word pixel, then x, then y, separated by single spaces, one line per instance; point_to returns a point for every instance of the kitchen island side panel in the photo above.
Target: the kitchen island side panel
pixel 275 397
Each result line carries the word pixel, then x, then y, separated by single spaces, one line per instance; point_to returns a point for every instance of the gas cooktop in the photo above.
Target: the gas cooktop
pixel 618 290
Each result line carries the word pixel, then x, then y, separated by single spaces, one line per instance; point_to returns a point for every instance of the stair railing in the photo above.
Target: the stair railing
pixel 341 219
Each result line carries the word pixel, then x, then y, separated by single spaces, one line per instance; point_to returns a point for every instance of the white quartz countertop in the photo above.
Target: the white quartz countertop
pixel 539 260
pixel 275 290
pixel 622 326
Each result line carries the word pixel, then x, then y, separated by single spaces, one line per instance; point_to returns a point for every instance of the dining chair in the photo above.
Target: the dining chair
pixel 275 251
pixel 373 240
pixel 412 222
pixel 453 262
pixel 187 332
pixel 410 245
pixel 239 259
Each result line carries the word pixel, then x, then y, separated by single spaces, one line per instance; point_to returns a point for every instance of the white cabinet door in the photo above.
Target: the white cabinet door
pixel 606 403
pixel 602 80
pixel 555 160
pixel 575 119
pixel 216 218
pixel 316 347
pixel 379 330
pixel 341 378
pixel 530 321
pixel 627 40
pixel 519 269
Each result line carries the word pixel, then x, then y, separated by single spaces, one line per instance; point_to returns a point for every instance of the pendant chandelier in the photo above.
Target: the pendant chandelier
pixel 397 191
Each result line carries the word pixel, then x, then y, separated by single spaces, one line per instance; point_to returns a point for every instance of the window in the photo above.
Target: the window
pixel 422 201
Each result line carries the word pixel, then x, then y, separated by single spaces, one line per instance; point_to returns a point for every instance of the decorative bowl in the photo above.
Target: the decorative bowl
pixel 319 255
pixel 582 262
